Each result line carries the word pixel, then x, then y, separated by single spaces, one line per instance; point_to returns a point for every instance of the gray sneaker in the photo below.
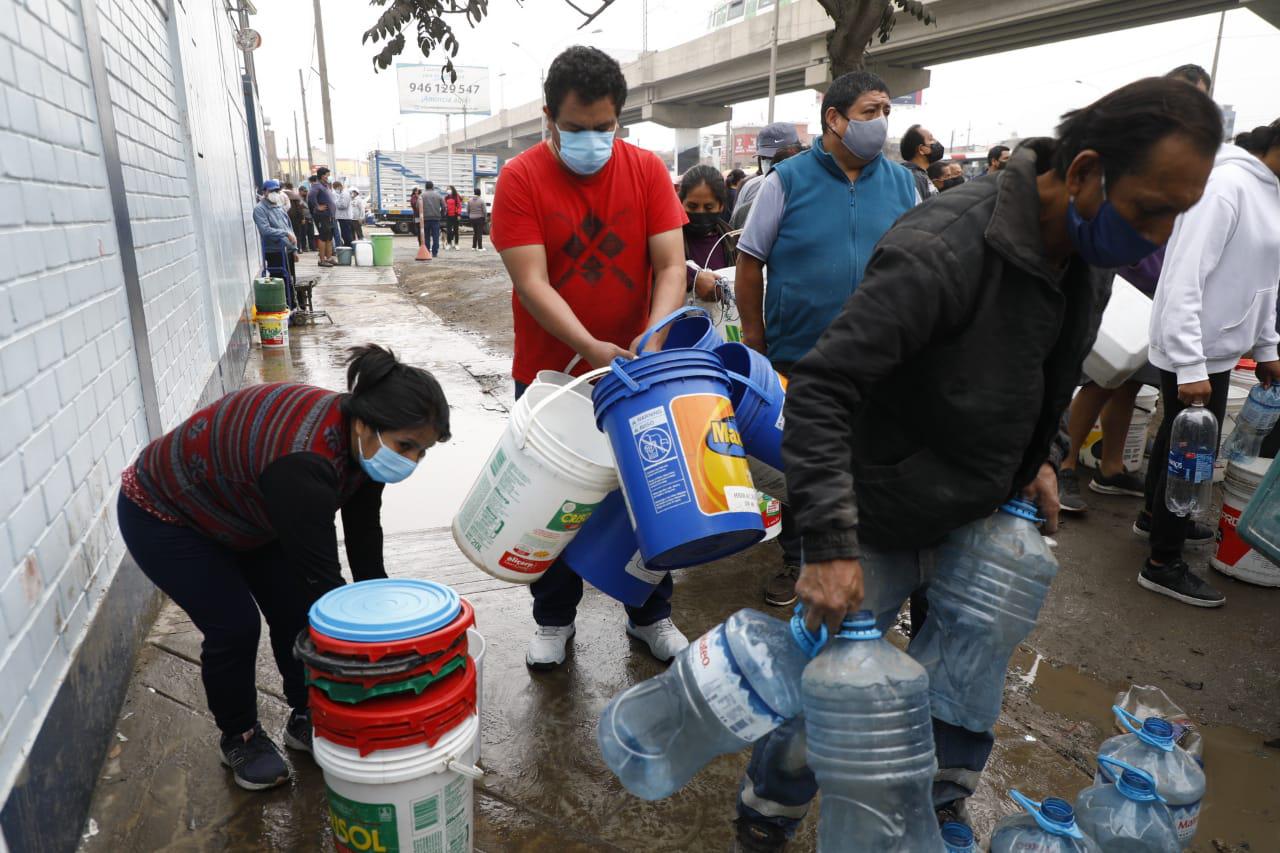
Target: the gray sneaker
pixel 1069 499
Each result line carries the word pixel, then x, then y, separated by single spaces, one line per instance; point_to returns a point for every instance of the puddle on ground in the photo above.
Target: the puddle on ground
pixel 1241 809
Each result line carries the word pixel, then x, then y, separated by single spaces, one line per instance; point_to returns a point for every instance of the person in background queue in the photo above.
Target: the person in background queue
pixel 357 215
pixel 342 213
pixel 937 173
pixel 589 228
pixel 919 151
pixel 476 217
pixel 952 177
pixel 323 206
pixel 453 204
pixel 415 205
pixel 997 158
pixel 432 206
pixel 733 181
pixel 232 513
pixel 279 244
pixel 707 240
pixel 774 143
pixel 816 245
pixel 989 296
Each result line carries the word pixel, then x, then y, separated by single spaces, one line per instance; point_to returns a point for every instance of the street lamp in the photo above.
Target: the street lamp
pixel 542 80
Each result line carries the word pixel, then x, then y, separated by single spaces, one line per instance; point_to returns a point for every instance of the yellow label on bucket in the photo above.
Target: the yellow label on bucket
pixel 713 452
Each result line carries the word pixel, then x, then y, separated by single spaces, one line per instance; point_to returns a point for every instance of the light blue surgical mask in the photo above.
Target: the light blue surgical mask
pixel 586 152
pixel 386 466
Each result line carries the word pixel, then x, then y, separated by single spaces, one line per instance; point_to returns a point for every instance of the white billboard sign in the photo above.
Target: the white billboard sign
pixel 424 90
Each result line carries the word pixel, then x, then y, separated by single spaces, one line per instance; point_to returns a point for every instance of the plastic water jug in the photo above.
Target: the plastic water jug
pixel 958 838
pixel 1259 416
pixel 1048 827
pixel 991 578
pixel 870 744
pixel 729 688
pixel 1189 484
pixel 1129 816
pixel 1150 747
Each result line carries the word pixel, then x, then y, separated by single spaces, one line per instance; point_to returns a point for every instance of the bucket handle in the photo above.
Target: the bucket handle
pixel 573 362
pixel 555 395
pixel 679 313
pixel 465 768
pixel 749 383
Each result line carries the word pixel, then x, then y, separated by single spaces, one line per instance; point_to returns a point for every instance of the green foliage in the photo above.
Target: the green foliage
pixel 430 19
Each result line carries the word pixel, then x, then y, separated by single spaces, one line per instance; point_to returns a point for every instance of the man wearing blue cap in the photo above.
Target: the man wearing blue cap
pixel 278 241
pixel 774 143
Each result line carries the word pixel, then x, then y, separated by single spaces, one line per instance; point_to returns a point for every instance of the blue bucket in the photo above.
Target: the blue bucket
pixel 691 328
pixel 679 457
pixel 606 555
pixel 757 396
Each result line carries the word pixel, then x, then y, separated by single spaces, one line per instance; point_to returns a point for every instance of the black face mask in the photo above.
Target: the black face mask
pixel 935 151
pixel 952 182
pixel 702 224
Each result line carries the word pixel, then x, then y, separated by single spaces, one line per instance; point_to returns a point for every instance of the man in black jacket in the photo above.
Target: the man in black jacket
pixel 936 394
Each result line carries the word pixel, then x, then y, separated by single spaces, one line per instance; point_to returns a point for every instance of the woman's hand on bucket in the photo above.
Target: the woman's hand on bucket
pixel 829 591
pixel 602 353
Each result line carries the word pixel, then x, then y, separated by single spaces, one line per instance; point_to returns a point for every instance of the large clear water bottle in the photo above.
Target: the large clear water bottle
pixel 1150 747
pixel 1048 827
pixel 1259 416
pixel 729 688
pixel 1192 442
pixel 1129 816
pixel 870 744
pixel 958 838
pixel 991 578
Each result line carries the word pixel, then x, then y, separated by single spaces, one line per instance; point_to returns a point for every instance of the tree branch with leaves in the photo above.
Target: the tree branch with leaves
pixel 859 23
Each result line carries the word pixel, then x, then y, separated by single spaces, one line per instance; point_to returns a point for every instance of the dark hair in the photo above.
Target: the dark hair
pixel 313 178
pixel 911 140
pixel 709 175
pixel 936 169
pixel 387 394
pixel 1193 74
pixel 1261 139
pixel 287 185
pixel 477 189
pixel 588 72
pixel 996 153
pixel 846 89
pixel 735 177
pixel 430 185
pixel 1124 125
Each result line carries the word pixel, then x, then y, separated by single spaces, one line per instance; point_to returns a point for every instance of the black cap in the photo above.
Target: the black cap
pixel 774 136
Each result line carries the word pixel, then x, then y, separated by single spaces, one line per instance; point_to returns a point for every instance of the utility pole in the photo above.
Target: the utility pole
pixel 324 91
pixel 297 148
pixel 306 123
pixel 773 57
pixel 644 27
pixel 1217 49
pixel 728 141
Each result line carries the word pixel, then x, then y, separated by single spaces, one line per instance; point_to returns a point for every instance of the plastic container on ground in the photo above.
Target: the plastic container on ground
pixel 727 689
pixel 1243 374
pixel 1192 442
pixel 273 328
pixel 1121 346
pixel 1128 816
pixel 1257 418
pixel 958 838
pixel 549 471
pixel 869 740
pixel 1135 441
pixel 269 295
pixel 383 249
pixel 363 253
pixel 1145 700
pixel 1236 399
pixel 991 578
pixel 343 254
pixel 1048 827
pixel 1234 557
pixel 1150 747
pixel 758 396
pixel 476 646
pixel 1260 523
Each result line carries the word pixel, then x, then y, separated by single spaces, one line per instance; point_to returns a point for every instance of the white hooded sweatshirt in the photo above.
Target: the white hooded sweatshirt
pixel 1216 300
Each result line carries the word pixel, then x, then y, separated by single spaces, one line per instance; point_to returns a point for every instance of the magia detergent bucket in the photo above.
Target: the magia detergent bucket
pixel 549 471
pixel 758 395
pixel 691 328
pixel 679 455
pixel 1234 557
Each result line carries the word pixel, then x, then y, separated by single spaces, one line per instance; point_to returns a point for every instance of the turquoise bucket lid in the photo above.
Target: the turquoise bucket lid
pixel 384 609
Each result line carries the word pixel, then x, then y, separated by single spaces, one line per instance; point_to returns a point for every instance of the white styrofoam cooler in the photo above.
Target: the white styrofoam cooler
pixel 1123 338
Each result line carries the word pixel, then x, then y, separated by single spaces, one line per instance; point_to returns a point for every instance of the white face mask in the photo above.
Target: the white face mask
pixel 277 198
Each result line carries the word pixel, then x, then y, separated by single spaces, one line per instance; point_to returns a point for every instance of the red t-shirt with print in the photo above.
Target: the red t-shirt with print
pixel 596 233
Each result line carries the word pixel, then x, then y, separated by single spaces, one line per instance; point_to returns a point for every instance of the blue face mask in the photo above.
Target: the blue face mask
pixel 386 466
pixel 586 152
pixel 1107 240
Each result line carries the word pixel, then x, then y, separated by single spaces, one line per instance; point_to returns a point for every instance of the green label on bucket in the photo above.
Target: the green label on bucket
pixel 571 516
pixel 362 827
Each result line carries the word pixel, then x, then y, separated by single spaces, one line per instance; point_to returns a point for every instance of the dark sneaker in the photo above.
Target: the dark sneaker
pixel 1177 581
pixel 780 591
pixel 297 732
pixel 956 811
pixel 757 837
pixel 1069 499
pixel 1197 533
pixel 256 762
pixel 1123 483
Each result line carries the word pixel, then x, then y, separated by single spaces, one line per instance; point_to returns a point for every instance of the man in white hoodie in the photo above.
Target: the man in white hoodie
pixel 1216 301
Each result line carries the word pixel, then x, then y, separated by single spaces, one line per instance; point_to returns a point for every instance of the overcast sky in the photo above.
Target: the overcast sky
pixel 985 99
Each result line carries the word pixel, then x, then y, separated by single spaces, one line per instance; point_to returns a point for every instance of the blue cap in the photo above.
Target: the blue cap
pixel 270 184
pixel 384 610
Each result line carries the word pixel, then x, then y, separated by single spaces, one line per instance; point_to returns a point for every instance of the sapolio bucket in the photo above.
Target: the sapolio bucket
pixel 549 470
pixel 680 458
pixel 757 396
pixel 1135 441
pixel 606 554
pixel 1234 557
pixel 274 329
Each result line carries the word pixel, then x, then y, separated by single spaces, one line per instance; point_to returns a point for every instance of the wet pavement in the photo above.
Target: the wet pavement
pixel 162 787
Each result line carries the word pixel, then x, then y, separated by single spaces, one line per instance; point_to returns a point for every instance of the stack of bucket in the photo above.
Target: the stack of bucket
pixel 271 312
pixel 394 669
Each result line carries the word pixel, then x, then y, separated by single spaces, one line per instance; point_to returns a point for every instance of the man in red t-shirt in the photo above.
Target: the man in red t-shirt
pixel 589 228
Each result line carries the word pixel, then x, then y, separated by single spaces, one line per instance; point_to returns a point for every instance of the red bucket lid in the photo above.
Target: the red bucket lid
pixel 424 644
pixel 392 722
pixel 1246 364
pixel 431 666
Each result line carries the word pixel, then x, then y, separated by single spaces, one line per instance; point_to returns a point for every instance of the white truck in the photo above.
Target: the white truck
pixel 394 174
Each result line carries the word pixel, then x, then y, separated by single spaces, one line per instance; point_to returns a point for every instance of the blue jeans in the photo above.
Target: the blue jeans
pixel 556 594
pixel 433 236
pixel 778 785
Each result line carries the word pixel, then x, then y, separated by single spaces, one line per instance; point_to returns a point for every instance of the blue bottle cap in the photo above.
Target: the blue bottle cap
pixel 859 626
pixel 383 610
pixel 1054 815
pixel 1021 508
pixel 957 836
pixel 1152 731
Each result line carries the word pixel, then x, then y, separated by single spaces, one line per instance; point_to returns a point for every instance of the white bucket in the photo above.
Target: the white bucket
pixel 475 648
pixel 550 469
pixel 1121 346
pixel 1236 397
pixel 273 329
pixel 1243 377
pixel 413 798
pixel 1234 557
pixel 364 253
pixel 1135 441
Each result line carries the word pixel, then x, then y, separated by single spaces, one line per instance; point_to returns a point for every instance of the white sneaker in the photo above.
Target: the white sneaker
pixel 662 637
pixel 547 648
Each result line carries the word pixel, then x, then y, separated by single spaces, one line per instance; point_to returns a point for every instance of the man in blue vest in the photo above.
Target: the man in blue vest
pixel 814 223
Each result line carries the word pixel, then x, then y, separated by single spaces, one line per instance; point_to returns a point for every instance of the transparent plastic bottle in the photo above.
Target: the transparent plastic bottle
pixel 1048 827
pixel 1259 416
pixel 1129 816
pixel 870 744
pixel 1150 747
pixel 1189 484
pixel 991 578
pixel 729 688
pixel 958 838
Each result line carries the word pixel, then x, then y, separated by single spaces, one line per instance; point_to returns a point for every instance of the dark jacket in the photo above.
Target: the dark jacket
pixel 924 186
pixel 936 393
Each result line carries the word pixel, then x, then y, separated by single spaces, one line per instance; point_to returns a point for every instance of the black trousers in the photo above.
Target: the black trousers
pixel 477 233
pixel 223 592
pixel 348 229
pixel 451 230
pixel 1169 531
